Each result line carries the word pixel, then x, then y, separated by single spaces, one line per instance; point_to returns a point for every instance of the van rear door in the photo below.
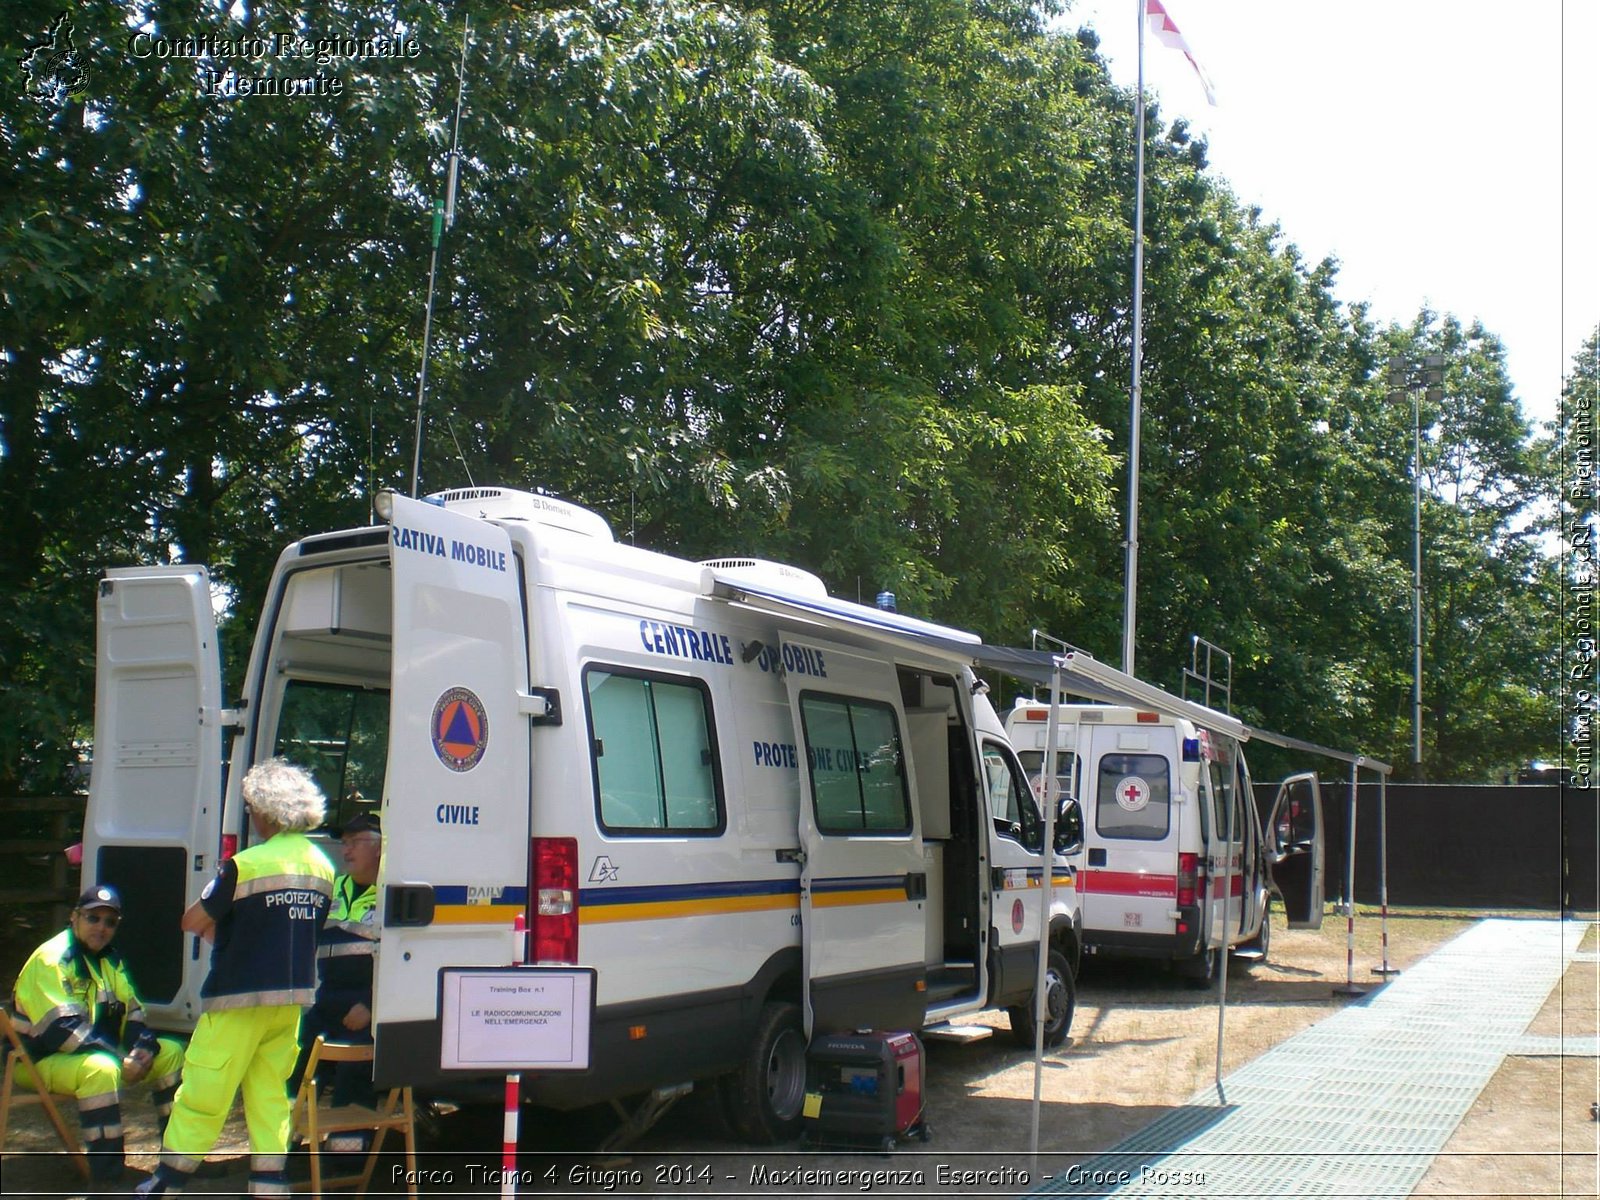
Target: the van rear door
pixel 154 820
pixel 863 883
pixel 455 817
pixel 1295 845
pixel 1128 886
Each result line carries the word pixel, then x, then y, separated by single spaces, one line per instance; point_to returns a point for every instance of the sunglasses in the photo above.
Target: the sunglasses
pixel 110 920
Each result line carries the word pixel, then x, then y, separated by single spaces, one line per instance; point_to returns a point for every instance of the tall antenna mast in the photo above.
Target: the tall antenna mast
pixel 444 216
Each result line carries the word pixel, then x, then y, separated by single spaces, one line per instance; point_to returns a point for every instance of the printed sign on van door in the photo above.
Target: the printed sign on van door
pixel 1132 794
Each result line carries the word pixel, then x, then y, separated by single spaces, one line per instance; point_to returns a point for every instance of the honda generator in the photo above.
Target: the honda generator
pixel 863 1089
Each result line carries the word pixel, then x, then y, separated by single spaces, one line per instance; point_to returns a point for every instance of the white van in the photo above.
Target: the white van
pixel 1156 791
pixel 760 813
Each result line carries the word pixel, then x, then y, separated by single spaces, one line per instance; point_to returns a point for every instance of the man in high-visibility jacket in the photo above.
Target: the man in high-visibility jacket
pixel 345 952
pixel 83 1024
pixel 262 912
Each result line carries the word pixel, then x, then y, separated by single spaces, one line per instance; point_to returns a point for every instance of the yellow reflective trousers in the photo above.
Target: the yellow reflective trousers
pixel 252 1049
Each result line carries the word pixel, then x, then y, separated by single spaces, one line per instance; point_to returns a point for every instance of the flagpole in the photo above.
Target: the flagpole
pixel 1130 584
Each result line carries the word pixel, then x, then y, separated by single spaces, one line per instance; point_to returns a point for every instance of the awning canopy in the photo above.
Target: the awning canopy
pixel 1080 674
pixel 1083 675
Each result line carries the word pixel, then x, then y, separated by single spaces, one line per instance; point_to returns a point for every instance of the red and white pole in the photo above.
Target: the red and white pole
pixel 508 1158
pixel 513 1115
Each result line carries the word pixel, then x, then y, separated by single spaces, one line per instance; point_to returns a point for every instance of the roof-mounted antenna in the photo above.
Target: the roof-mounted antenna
pixel 460 457
pixel 444 216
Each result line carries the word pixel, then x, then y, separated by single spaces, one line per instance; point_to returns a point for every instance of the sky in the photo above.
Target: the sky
pixel 1436 148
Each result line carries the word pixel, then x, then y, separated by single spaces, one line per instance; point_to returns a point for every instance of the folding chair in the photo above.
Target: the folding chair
pixel 11 1095
pixel 313 1121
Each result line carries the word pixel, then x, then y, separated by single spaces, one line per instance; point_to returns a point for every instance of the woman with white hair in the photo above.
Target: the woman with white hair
pixel 262 913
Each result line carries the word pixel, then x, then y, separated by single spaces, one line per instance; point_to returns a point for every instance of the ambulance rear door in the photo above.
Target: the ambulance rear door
pixel 153 824
pixel 1295 846
pixel 455 868
pixel 863 882
pixel 1128 886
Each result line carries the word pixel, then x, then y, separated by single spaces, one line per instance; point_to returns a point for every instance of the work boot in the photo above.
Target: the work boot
pixel 165 1181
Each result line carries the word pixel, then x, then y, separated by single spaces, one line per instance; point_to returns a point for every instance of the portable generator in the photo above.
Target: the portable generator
pixel 864 1088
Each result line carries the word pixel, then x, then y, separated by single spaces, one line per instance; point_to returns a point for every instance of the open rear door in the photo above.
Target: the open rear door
pixel 1295 849
pixel 455 820
pixel 154 821
pixel 863 884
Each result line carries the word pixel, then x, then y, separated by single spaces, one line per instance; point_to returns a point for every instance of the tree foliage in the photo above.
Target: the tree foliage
pixel 844 284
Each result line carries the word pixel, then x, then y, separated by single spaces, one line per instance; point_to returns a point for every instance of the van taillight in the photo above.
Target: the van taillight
pixel 1036 714
pixel 1188 866
pixel 555 900
pixel 230 845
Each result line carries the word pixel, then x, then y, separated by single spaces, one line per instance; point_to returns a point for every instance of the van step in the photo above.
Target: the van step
pixel 1239 954
pixel 946 1032
pixel 946 983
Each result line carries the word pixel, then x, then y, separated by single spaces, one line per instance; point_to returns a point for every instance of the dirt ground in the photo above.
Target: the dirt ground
pixel 1142 1043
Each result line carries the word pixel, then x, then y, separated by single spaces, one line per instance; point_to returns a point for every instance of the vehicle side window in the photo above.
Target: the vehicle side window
pixel 1212 814
pixel 1133 797
pixel 1247 823
pixel 654 753
pixel 1225 771
pixel 857 765
pixel 1011 803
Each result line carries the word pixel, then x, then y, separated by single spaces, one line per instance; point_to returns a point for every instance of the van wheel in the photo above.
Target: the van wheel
pixel 762 1100
pixel 1201 971
pixel 1061 1000
pixel 1264 938
pixel 1249 955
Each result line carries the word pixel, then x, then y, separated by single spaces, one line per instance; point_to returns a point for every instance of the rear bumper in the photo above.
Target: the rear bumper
pixel 1128 943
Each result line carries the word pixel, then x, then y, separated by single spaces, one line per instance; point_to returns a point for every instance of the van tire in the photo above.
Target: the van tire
pixel 1062 991
pixel 1201 971
pixel 1262 942
pixel 1246 956
pixel 763 1099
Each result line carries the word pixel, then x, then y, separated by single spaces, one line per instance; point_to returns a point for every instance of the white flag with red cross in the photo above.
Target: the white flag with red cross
pixel 1166 29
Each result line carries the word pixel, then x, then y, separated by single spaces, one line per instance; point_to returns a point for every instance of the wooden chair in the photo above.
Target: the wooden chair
pixel 313 1121
pixel 16 1055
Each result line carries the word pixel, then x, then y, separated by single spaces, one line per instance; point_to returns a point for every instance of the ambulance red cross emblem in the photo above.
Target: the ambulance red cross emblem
pixel 1133 793
pixel 460 729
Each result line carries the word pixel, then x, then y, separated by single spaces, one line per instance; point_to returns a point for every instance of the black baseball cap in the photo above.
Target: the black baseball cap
pixel 101 895
pixel 361 823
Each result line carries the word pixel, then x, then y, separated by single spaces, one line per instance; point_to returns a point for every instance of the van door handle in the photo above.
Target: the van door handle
pixel 408 905
pixel 916 885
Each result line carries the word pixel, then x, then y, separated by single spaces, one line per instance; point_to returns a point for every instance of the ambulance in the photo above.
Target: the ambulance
pixel 1177 865
pixel 759 813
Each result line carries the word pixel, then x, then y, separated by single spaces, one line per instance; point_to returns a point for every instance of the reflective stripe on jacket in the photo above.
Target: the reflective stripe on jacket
pixel 345 953
pixel 69 1000
pixel 269 908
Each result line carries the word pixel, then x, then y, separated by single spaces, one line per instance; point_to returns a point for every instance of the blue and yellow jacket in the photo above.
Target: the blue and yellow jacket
pixel 269 903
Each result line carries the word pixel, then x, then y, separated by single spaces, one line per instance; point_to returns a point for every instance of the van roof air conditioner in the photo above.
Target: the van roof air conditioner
pixel 509 504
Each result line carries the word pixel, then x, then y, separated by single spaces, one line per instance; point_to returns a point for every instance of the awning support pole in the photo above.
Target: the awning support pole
pixel 1047 856
pixel 1350 988
pixel 1383 876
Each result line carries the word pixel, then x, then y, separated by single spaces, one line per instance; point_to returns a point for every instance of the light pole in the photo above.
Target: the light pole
pixel 1407 375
